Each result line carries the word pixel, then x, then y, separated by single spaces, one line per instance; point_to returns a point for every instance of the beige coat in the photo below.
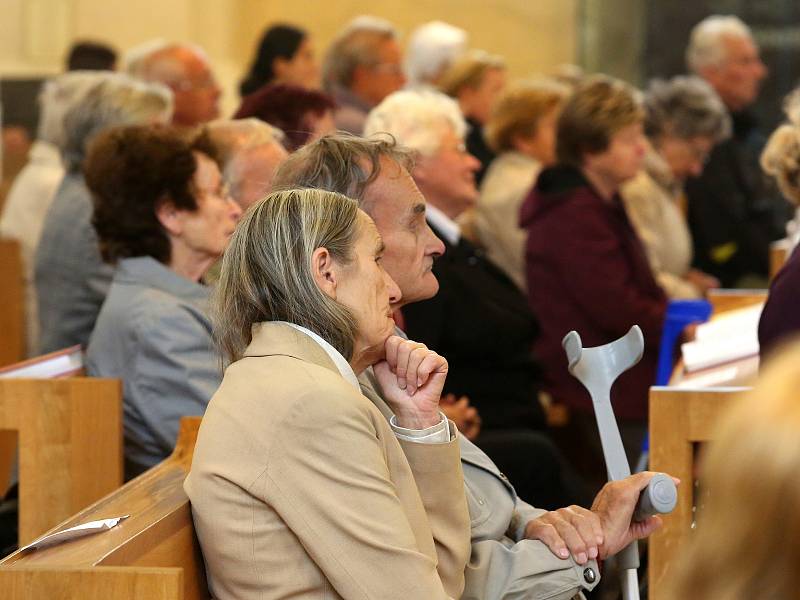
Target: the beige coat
pixel 496 217
pixel 651 201
pixel 300 489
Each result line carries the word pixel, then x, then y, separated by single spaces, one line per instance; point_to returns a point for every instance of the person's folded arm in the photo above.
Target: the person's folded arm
pixel 527 569
pixel 330 482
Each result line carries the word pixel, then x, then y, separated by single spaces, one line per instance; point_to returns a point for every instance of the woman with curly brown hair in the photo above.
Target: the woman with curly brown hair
pixel 163 217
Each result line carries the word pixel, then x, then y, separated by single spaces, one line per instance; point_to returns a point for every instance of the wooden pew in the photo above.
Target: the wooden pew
pixel 679 421
pixel 778 255
pixel 152 554
pixel 69 435
pixel 729 299
pixel 12 303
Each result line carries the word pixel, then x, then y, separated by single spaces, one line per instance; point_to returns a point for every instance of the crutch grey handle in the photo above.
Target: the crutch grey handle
pixel 658 498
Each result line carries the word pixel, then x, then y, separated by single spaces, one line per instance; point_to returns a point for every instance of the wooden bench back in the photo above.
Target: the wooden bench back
pixel 69 435
pixel 12 301
pixel 152 554
pixel 679 421
pixel 778 255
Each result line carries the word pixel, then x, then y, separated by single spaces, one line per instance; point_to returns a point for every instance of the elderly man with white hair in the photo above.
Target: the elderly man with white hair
pixel 362 66
pixel 732 215
pixel 33 189
pixel 71 278
pixel 185 69
pixel 250 152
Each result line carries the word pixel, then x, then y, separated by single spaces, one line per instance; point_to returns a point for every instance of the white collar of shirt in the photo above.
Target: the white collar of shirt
pixel 443 224
pixel 345 370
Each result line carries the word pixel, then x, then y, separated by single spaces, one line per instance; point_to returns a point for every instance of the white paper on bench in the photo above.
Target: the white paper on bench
pixel 74 532
pixel 729 337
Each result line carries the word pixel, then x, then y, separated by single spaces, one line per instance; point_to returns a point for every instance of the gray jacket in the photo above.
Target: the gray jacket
pixel 71 278
pixel 154 333
pixel 503 565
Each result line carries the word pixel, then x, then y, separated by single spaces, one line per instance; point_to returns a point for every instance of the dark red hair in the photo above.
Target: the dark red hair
pixel 287 107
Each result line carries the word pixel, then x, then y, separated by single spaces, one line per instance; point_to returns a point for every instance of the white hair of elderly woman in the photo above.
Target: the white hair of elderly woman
pixel 115 99
pixel 417 119
pixel 432 48
pixel 706 46
pixel 57 97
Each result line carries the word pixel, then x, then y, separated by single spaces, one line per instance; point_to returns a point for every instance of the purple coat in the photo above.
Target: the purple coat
pixel 781 316
pixel 587 271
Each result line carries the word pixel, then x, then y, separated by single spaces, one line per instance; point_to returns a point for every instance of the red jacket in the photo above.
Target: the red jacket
pixel 587 271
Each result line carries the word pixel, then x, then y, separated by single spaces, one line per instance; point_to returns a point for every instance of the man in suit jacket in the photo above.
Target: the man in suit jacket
pixel 734 213
pixel 516 548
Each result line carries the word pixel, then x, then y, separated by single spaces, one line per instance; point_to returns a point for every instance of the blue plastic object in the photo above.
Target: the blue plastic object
pixel 680 313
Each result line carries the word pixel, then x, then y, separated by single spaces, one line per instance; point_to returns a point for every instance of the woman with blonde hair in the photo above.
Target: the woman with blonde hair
pixel 745 546
pixel 299 485
pixel 476 81
pixel 522 131
pixel 781 160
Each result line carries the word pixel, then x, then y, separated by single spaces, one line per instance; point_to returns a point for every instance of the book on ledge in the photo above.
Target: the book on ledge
pixel 731 337
pixel 62 363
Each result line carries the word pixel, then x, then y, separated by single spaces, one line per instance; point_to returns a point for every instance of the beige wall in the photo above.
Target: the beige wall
pixel 534 36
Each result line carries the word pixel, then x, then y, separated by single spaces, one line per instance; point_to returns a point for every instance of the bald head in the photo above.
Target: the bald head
pixel 186 71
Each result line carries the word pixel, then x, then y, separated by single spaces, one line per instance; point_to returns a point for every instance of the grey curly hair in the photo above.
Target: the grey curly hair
pixel 685 107
pixel 781 156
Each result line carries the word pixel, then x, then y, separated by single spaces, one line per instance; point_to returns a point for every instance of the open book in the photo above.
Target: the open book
pixel 62 363
pixel 729 339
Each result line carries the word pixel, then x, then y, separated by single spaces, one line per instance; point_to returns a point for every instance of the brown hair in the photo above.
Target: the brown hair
pixel 130 171
pixel 746 545
pixel 599 107
pixel 341 163
pixel 469 71
pixel 519 110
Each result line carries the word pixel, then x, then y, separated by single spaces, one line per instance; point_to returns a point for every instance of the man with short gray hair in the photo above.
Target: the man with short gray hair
pixel 363 66
pixel 733 216
pixel 517 550
pixel 250 151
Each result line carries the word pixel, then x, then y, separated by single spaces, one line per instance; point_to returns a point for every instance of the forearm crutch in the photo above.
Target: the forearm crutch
pixel 597 369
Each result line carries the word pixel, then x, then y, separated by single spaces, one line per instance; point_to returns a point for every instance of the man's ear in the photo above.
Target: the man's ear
pixel 325 272
pixel 170 217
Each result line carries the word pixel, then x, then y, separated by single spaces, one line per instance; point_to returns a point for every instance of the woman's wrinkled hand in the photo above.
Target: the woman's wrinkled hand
pixel 412 378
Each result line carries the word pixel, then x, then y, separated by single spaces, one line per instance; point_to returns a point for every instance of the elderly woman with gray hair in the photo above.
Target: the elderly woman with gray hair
pixel 684 119
pixel 71 278
pixel 337 501
pixel 35 187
